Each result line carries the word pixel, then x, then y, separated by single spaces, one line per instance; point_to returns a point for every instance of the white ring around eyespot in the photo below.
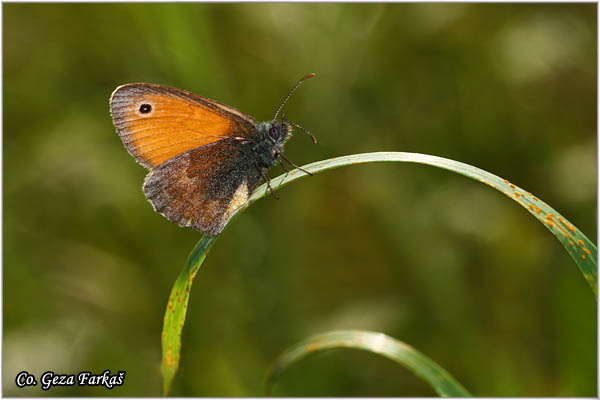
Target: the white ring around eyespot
pixel 140 104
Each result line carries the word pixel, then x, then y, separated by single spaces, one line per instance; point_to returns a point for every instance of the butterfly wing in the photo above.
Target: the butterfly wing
pixel 203 187
pixel 157 123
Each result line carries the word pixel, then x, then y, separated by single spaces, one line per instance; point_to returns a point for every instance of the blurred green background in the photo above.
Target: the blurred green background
pixel 445 264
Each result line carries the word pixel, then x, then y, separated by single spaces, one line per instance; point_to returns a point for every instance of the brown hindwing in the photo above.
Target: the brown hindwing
pixel 203 187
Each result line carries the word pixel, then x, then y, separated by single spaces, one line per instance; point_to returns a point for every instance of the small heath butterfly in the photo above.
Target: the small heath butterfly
pixel 205 158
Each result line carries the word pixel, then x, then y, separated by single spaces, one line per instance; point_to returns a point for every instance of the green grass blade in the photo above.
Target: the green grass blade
pixel 176 309
pixel 579 247
pixel 422 366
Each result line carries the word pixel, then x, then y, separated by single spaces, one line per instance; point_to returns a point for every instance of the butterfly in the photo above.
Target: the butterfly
pixel 205 158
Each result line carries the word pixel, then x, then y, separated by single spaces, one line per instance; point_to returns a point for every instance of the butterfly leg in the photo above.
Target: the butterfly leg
pixel 266 178
pixel 284 167
pixel 295 166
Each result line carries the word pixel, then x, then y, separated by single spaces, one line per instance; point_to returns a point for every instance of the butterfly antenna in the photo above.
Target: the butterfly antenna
pixel 314 139
pixel 303 129
pixel 305 77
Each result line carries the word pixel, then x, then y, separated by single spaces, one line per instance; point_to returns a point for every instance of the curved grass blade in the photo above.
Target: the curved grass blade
pixel 422 366
pixel 579 247
pixel 176 309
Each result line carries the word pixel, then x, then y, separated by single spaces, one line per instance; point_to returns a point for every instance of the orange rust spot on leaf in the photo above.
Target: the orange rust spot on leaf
pixel 549 215
pixel 531 207
pixel 581 242
pixel 583 257
pixel 512 186
pixel 550 223
pixel 571 243
pixel 538 210
pixel 313 347
pixel 529 193
pixel 564 232
pixel 535 198
pixel 587 251
pixel 565 223
pixel 506 181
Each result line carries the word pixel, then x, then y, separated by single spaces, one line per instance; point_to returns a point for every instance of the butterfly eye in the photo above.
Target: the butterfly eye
pixel 274 132
pixel 145 108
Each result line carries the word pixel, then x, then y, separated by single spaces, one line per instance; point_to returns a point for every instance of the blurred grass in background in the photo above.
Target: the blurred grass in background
pixel 433 259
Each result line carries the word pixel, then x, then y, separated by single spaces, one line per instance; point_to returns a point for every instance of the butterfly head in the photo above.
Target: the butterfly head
pixel 273 135
pixel 278 131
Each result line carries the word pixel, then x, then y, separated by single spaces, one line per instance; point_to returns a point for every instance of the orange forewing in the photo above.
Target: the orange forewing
pixel 178 121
